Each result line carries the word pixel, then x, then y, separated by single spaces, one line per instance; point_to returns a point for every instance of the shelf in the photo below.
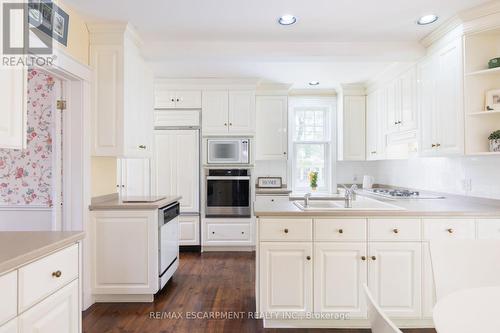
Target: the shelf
pixel 483 113
pixel 485 71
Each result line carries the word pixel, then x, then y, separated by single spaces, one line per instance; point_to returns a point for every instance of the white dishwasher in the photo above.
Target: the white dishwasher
pixel 168 234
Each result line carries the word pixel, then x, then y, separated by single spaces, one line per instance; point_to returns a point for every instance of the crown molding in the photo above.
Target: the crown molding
pixel 313 92
pixel 102 33
pixel 441 31
pixel 206 83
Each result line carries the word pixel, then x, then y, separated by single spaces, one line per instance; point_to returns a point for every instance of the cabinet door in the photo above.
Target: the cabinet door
pixel 214 113
pixel 188 99
pixel 13 104
pixel 449 90
pixel 119 269
pixel 429 289
pixel 408 93
pixel 372 126
pixel 189 230
pixel 427 105
pixel 394 277
pixel 340 270
pixel 271 136
pixel 285 277
pixel 164 99
pixel 135 177
pixel 392 112
pixel 354 128
pixel 58 313
pixel 242 112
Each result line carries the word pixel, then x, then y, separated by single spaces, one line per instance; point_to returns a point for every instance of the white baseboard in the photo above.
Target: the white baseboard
pixel 346 324
pixel 227 248
pixel 140 298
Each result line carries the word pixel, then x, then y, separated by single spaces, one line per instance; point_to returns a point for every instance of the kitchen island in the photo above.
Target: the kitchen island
pixel 311 265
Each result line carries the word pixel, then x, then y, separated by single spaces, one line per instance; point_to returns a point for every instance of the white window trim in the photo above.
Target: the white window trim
pixel 331 154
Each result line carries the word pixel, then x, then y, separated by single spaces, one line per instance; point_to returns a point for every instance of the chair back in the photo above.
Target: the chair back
pixel 379 322
pixel 463 264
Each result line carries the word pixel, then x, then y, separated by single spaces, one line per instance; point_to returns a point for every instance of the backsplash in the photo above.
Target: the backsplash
pixel 26 175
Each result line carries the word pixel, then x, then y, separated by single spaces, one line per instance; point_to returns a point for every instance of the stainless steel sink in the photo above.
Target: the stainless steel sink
pixel 361 203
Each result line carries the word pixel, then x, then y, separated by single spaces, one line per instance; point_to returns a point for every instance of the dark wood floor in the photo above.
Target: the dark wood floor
pixel 215 282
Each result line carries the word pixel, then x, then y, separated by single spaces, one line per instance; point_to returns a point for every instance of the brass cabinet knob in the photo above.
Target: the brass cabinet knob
pixel 363 258
pixel 57 274
pixel 308 257
pixel 395 230
pixel 286 230
pixel 341 231
pixel 450 230
pixel 374 258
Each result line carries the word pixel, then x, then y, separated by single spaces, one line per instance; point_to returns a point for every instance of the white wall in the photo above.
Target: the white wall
pixel 25 219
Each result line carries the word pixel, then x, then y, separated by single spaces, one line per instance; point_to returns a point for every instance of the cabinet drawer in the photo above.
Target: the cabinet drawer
pixel 8 296
pixel 340 229
pixel 42 277
pixel 449 229
pixel 488 228
pixel 272 198
pixel 228 231
pixel 394 229
pixel 285 229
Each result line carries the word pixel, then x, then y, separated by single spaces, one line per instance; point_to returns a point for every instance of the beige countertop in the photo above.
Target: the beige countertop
pixel 113 202
pixel 18 248
pixel 449 206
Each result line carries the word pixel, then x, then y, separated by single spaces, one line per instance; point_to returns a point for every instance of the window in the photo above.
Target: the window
pixel 311 124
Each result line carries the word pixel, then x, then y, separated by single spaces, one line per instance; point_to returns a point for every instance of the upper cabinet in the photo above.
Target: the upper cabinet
pixel 352 126
pixel 440 100
pixel 401 102
pixel 13 104
pixel 122 93
pixel 177 99
pixel 271 132
pixel 227 112
pixel 375 135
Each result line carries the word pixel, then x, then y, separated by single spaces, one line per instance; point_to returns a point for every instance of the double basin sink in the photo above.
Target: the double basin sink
pixel 361 203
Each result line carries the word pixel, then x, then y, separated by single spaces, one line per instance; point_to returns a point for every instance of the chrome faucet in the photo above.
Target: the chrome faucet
pixel 307 197
pixel 350 195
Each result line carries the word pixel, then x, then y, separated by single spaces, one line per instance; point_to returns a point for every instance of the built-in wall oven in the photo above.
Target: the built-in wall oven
pixel 168 236
pixel 228 193
pixel 228 151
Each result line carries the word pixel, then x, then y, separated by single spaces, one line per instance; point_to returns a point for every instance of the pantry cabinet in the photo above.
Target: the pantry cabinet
pixel 13 105
pixel 271 132
pixel 440 100
pixel 227 112
pixel 122 93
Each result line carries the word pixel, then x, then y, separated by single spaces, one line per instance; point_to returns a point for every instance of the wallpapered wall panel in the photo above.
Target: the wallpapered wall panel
pixel 26 175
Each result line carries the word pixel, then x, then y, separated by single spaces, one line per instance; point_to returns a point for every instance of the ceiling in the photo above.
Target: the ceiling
pixel 333 40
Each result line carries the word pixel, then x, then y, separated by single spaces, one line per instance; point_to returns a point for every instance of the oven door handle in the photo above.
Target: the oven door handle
pixel 228 177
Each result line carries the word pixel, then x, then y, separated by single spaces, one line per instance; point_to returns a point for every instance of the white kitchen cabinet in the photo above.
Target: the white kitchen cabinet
pixel 352 125
pixel 392 99
pixel 58 313
pixel 13 106
pixel 375 134
pixel 440 100
pixel 134 177
pixel 122 93
pixel 177 99
pixel 394 277
pixel 177 165
pixel 10 327
pixel 8 301
pixel 119 269
pixel 271 130
pixel 189 230
pixel 340 270
pixel 407 92
pixel 228 112
pixel 285 278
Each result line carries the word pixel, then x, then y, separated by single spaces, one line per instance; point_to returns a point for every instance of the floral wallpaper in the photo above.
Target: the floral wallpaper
pixel 26 175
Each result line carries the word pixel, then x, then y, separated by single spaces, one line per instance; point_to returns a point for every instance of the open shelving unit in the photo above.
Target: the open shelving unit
pixel 479 48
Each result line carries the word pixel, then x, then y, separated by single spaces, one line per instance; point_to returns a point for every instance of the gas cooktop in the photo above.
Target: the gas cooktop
pixel 402 194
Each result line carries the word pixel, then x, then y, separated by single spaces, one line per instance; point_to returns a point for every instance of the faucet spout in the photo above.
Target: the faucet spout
pixel 307 197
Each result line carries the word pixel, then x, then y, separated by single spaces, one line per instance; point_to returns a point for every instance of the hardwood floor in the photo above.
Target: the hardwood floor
pixel 209 282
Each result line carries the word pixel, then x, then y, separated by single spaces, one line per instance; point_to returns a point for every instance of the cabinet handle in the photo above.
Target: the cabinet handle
pixel 272 200
pixel 374 258
pixel 363 258
pixel 308 257
pixel 242 232
pixel 177 100
pixel 433 145
pixel 286 230
pixel 142 147
pixel 172 99
pixel 284 153
pixel 230 124
pixel 373 152
pixel 450 230
pixel 395 123
pixel 341 231
pixel 56 274
pixel 438 145
pixel 213 232
pixel 395 230
pixel 225 124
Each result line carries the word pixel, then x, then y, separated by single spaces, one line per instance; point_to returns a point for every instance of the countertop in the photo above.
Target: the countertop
pixel 18 248
pixel 451 205
pixel 113 202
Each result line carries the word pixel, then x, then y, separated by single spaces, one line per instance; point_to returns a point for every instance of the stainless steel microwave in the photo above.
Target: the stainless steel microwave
pixel 228 151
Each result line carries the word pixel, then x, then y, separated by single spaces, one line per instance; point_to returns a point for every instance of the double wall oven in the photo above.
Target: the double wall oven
pixel 228 193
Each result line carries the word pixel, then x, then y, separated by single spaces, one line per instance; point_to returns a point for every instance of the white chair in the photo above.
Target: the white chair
pixel 379 322
pixel 463 264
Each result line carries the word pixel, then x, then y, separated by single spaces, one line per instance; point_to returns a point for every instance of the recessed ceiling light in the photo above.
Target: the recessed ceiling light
pixel 287 20
pixel 427 19
pixel 314 83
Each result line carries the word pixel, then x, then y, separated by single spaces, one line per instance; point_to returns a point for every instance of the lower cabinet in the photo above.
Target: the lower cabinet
pixel 340 270
pixel 189 230
pixel 10 327
pixel 286 273
pixel 394 276
pixel 58 313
